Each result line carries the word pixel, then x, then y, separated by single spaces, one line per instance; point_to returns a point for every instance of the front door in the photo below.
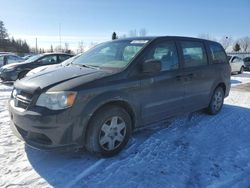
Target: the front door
pixel 161 93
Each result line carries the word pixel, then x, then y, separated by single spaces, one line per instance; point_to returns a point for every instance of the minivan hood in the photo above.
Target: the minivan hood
pixel 54 75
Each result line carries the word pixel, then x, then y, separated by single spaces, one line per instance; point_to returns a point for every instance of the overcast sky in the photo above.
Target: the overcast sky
pixel 95 20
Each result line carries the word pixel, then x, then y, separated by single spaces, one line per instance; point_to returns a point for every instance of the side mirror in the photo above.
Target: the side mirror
pixel 151 66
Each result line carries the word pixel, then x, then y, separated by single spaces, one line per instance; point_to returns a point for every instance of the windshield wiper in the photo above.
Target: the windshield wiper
pixel 87 66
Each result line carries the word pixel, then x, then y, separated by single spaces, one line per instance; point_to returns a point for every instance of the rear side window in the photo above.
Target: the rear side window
pixel 194 54
pixel 217 53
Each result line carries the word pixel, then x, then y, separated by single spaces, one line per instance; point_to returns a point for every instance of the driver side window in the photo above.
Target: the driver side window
pixel 166 53
pixel 51 59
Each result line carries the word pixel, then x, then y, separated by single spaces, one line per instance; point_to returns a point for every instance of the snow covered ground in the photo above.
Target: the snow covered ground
pixel 193 150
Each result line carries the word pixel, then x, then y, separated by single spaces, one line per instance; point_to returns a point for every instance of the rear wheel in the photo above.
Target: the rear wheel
pixel 241 70
pixel 217 101
pixel 108 131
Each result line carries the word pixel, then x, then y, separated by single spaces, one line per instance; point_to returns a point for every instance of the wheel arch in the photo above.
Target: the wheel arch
pixel 121 103
pixel 223 85
pixel 112 102
pixel 218 84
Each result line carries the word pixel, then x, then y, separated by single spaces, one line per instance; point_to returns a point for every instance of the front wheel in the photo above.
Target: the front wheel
pixel 22 74
pixel 217 101
pixel 109 131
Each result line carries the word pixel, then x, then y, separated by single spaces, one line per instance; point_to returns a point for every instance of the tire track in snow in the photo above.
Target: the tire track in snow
pixel 85 173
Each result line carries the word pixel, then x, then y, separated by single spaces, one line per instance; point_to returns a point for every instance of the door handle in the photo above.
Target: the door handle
pixel 190 75
pixel 178 77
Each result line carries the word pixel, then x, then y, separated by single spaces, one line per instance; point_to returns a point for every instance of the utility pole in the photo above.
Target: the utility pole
pixel 60 39
pixel 36 46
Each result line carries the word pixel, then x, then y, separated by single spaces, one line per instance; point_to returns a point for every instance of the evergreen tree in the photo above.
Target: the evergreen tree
pixel 114 36
pixel 236 47
pixel 3 31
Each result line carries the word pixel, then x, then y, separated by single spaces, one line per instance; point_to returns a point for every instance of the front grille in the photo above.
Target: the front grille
pixel 21 104
pixel 22 98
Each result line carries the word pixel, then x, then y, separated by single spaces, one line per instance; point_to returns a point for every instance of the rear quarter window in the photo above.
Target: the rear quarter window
pixel 217 53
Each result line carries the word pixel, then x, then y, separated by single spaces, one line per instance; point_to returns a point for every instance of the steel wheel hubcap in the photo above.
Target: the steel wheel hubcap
pixel 217 102
pixel 112 133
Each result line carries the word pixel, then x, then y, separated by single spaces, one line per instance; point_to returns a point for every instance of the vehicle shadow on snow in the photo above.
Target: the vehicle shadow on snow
pixel 67 169
pixel 235 82
pixel 64 169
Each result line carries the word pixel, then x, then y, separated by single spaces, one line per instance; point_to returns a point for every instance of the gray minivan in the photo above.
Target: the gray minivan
pixel 98 99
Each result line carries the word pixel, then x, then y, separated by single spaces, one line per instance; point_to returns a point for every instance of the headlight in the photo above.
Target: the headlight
pixel 56 100
pixel 14 93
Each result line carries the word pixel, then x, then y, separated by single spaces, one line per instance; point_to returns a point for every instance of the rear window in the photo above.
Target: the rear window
pixel 217 53
pixel 194 54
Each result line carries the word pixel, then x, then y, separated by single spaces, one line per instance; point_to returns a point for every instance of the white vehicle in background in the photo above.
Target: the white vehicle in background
pixel 8 58
pixel 237 64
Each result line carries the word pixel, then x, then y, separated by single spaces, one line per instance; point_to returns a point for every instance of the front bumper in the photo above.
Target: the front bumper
pixel 46 129
pixel 8 77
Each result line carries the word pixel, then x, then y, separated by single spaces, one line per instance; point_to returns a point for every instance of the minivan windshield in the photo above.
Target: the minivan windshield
pixel 114 54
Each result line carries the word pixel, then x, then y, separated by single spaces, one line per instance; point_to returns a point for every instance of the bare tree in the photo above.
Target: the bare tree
pixel 226 41
pixel 51 48
pixel 123 36
pixel 66 46
pixel 80 47
pixel 207 36
pixel 92 44
pixel 57 48
pixel 143 32
pixel 133 33
pixel 244 43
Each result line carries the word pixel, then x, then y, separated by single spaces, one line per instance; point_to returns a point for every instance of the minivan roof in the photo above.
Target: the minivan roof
pixel 163 37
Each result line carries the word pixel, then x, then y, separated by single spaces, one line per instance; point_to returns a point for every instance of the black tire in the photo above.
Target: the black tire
pixel 216 101
pixel 241 70
pixel 101 122
pixel 22 74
